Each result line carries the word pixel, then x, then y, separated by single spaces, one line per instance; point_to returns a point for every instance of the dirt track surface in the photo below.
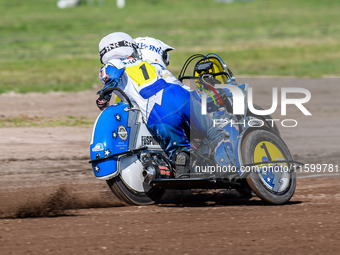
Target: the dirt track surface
pixel 44 172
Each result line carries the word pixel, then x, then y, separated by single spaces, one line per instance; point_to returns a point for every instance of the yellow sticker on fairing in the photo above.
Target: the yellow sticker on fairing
pixel 142 73
pixel 266 151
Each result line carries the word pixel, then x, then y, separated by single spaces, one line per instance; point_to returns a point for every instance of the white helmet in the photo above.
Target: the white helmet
pixel 116 46
pixel 154 50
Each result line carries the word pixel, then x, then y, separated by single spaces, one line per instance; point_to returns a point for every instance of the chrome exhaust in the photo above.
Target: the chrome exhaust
pixel 149 173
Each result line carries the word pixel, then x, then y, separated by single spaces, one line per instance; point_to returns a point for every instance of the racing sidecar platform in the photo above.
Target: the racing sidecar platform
pixel 195 183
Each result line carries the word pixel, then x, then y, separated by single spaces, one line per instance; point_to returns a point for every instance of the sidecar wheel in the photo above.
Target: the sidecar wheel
pixel 277 185
pixel 133 197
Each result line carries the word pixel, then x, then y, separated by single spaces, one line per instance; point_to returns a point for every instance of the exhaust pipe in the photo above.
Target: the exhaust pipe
pixel 149 174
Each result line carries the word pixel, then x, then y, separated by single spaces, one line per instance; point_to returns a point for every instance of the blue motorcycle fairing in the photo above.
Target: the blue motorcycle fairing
pixel 110 136
pixel 234 139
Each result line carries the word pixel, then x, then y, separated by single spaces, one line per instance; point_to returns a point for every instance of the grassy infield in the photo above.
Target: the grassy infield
pixel 43 48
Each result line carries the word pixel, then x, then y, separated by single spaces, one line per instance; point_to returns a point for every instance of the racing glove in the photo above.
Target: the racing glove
pixel 109 76
pixel 102 103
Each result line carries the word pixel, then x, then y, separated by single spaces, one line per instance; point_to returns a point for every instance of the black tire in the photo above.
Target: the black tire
pixel 132 197
pixel 265 118
pixel 284 182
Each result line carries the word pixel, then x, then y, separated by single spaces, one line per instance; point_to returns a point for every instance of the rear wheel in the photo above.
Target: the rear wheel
pixel 273 183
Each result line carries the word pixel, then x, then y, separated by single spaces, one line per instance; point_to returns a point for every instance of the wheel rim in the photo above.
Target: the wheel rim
pixel 274 176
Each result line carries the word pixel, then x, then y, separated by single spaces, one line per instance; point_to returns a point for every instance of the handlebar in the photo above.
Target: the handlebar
pixel 198 77
pixel 106 91
pixel 187 77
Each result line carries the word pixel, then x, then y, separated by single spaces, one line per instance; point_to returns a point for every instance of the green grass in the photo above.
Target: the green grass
pixel 34 121
pixel 43 48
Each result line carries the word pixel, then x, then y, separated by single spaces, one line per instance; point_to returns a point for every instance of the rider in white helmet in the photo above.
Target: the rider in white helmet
pixel 142 82
pixel 156 52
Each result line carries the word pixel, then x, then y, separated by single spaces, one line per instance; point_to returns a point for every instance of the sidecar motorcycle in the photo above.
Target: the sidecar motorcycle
pixel 137 170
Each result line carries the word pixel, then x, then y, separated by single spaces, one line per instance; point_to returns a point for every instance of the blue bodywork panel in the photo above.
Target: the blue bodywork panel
pixel 234 139
pixel 110 136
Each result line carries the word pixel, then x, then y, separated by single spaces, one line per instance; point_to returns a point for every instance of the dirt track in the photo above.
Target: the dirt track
pixel 44 172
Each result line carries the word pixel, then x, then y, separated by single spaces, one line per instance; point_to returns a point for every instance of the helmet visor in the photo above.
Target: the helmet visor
pixel 166 58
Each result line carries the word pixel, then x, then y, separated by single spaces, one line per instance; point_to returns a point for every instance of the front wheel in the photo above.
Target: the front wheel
pixel 133 197
pixel 129 185
pixel 273 183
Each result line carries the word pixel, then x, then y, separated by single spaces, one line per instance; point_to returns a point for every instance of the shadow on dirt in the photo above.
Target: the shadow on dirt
pixel 64 202
pixel 204 198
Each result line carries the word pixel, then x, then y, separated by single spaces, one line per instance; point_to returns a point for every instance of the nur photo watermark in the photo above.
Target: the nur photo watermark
pixel 242 101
